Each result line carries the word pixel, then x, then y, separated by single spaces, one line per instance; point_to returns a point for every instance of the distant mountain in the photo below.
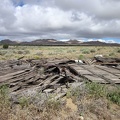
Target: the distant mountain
pixel 94 43
pixel 47 42
pixel 98 43
pixel 7 41
pixel 73 42
pixel 56 42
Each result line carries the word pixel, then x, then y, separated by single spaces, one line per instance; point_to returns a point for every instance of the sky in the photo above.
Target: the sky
pixel 84 20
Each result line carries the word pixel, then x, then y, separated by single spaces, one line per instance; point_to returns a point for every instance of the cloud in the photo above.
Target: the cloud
pixel 102 9
pixel 110 41
pixel 59 19
pixel 100 40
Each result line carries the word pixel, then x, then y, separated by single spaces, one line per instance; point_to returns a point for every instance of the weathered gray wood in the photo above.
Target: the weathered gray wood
pixel 94 78
pixel 49 80
pixel 45 84
pixel 60 95
pixel 15 88
pixel 94 73
pixel 24 80
pixel 108 69
pixel 103 74
pixel 12 75
pixel 56 81
pixel 48 90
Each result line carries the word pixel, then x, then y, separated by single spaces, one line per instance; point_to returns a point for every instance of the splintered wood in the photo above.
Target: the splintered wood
pixel 53 75
pixel 97 73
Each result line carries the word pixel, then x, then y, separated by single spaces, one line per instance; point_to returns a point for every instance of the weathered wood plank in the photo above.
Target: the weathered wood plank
pixel 94 73
pixel 108 69
pixel 94 78
pixel 103 74
pixel 12 75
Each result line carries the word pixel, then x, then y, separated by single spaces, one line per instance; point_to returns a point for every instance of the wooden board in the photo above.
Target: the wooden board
pixel 94 78
pixel 97 73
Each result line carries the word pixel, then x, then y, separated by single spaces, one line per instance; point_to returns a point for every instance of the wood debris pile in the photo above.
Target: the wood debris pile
pixel 52 76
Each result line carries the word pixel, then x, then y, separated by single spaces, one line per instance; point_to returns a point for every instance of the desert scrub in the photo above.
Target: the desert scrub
pixel 73 92
pixel 81 57
pixel 39 53
pixel 24 102
pixel 96 90
pixel 52 104
pixel 112 54
pixel 118 50
pixel 85 51
pixel 114 96
pixel 76 93
pixel 4 92
pixel 5 46
pixel 92 51
pixel 4 103
pixel 3 52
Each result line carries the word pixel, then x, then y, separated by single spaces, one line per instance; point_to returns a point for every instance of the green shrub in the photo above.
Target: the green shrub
pixel 118 50
pixel 52 104
pixel 81 57
pixel 111 54
pixel 96 90
pixel 92 51
pixel 3 91
pixel 114 96
pixel 24 102
pixel 20 52
pixel 4 101
pixel 75 93
pixel 3 52
pixel 5 46
pixel 86 52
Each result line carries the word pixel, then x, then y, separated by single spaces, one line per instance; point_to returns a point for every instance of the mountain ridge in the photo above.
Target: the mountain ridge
pixel 57 42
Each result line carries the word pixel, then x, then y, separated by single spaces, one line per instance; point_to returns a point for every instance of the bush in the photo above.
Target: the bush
pixel 86 52
pixel 5 46
pixel 111 54
pixel 118 50
pixel 80 57
pixel 4 99
pixel 92 51
pixel 96 90
pixel 24 102
pixel 20 52
pixel 53 104
pixel 3 52
pixel 114 96
pixel 4 103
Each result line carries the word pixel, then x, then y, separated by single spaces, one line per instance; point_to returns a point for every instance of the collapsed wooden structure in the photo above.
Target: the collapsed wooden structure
pixel 54 75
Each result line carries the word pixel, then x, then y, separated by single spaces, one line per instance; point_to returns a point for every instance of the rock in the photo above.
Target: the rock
pixel 80 118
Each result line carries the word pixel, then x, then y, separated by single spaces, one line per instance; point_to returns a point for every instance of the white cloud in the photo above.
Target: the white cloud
pixel 100 40
pixel 59 19
pixel 110 41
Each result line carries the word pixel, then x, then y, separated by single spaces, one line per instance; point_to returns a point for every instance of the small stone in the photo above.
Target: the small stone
pixel 80 118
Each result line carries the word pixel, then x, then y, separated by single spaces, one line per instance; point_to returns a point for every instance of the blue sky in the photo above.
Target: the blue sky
pixel 26 20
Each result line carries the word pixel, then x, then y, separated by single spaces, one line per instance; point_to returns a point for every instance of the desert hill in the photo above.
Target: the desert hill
pixel 57 42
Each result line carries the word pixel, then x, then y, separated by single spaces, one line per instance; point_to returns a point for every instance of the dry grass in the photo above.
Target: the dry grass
pixel 82 102
pixel 92 108
pixel 71 52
